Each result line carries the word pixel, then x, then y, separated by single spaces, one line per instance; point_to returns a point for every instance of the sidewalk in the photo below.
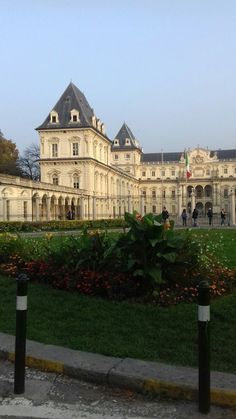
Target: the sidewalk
pixel 136 375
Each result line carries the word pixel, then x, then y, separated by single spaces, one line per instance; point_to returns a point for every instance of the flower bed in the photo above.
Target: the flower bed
pixel 149 263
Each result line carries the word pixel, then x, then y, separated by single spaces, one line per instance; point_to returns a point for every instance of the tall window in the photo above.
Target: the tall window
pixel 173 194
pixel 75 149
pixel 54 150
pixel 153 194
pixel 55 180
pixel 76 182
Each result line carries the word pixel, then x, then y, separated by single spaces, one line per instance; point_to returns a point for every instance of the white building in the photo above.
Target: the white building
pixel 83 170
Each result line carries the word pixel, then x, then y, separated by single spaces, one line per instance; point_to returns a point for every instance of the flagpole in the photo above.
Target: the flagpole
pixel 162 179
pixel 186 180
pixel 187 174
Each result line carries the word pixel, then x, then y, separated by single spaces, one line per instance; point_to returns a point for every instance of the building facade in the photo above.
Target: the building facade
pixel 82 170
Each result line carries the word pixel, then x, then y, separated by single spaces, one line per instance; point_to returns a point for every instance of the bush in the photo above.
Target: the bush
pixel 15 226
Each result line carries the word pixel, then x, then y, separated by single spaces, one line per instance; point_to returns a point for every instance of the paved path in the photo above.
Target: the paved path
pixel 139 376
pixel 53 395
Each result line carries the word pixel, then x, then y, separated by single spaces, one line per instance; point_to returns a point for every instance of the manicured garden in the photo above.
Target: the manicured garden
pixel 125 294
pixel 122 329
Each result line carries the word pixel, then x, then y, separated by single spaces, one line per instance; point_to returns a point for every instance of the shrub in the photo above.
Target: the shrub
pixel 146 249
pixel 16 226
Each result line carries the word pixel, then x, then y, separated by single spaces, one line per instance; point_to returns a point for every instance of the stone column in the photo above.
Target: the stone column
pixel 4 208
pixel 232 207
pixel 89 207
pixel 129 204
pixel 37 209
pixel 56 209
pixel 82 207
pixel 179 201
pixel 62 209
pixel 94 208
pixel 48 205
pixel 193 200
pixel 215 195
pixel 142 205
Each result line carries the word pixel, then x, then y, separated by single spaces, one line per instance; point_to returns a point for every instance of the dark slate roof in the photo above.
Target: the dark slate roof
pixel 72 98
pixel 161 157
pixel 175 157
pixel 224 154
pixel 124 133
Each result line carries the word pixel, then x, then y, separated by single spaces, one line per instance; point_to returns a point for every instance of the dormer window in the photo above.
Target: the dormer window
pixel 127 141
pixel 74 115
pixel 54 117
pixel 116 142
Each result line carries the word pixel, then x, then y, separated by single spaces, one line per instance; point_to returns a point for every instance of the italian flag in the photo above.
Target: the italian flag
pixel 188 173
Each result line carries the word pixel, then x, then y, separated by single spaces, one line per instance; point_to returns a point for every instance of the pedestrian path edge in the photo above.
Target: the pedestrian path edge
pixel 141 376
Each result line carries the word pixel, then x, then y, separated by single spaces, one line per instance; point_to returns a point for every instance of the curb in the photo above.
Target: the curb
pixel 148 378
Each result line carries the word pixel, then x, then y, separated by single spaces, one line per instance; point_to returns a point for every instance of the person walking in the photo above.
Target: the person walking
pixel 184 217
pixel 165 214
pixel 194 217
pixel 222 217
pixel 210 216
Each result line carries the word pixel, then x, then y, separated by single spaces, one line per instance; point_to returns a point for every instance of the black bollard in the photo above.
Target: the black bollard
pixel 204 347
pixel 20 340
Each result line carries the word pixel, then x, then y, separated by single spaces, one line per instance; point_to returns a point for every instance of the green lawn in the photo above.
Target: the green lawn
pixel 122 329
pixel 225 237
pixel 227 240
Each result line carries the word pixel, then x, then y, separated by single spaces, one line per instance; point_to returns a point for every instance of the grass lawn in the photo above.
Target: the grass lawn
pixel 226 251
pixel 122 329
pixel 227 240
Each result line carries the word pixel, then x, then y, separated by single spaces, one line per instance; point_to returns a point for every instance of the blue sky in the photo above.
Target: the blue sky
pixel 165 67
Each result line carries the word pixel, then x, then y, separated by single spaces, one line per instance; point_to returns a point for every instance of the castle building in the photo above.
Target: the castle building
pixel 83 171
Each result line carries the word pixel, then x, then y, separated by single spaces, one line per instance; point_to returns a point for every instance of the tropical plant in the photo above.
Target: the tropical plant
pixel 146 249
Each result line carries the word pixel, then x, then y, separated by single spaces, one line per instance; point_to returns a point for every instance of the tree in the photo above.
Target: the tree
pixel 8 156
pixel 28 163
